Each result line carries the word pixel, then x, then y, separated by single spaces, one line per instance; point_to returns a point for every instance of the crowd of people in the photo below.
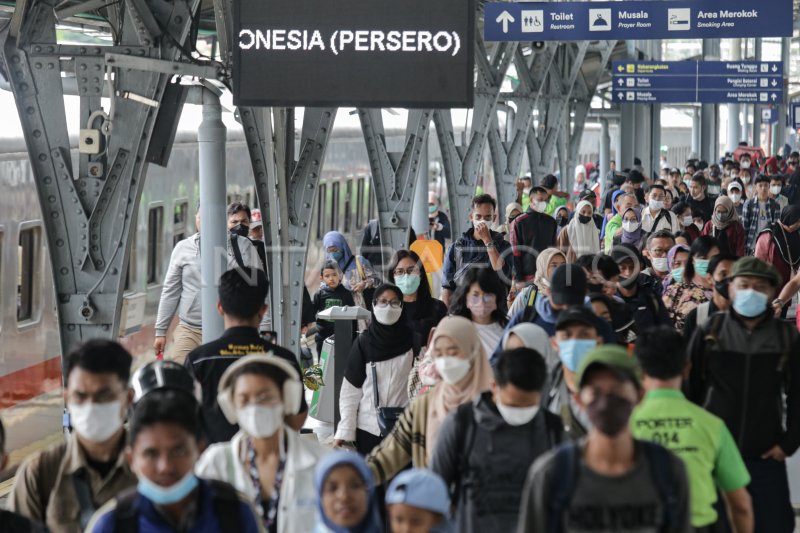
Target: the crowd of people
pixel 615 362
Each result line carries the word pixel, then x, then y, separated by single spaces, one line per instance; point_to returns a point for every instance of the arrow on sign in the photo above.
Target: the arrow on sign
pixel 620 95
pixel 774 83
pixel 774 68
pixel 504 18
pixel 774 97
pixel 621 82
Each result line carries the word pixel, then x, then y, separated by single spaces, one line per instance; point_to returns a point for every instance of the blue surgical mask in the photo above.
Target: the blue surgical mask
pixel 572 351
pixel 701 266
pixel 677 274
pixel 749 303
pixel 336 256
pixel 407 283
pixel 167 495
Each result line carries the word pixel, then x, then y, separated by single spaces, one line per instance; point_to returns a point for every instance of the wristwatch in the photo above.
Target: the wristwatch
pixel 489 244
pixel 778 302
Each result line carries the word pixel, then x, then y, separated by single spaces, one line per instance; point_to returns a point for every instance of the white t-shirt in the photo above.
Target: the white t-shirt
pixel 763 220
pixel 490 336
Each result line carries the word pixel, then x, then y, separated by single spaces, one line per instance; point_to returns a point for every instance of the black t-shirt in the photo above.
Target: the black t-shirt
pixel 101 467
pixel 208 362
pixel 14 523
pixel 702 208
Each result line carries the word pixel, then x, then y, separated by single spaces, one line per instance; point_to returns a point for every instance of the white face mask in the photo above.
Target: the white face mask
pixel 660 264
pixel 388 316
pixel 96 422
pixel 744 164
pixel 478 223
pixel 735 197
pixel 776 190
pixel 452 369
pixel 687 221
pixel 259 421
pixel 630 226
pixel 539 206
pixel 699 225
pixel 656 205
pixel 516 416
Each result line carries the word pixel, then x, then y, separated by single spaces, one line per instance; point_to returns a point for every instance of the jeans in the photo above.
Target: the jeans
pixel 769 489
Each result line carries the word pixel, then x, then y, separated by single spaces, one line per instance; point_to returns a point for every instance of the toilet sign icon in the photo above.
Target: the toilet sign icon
pixel 532 20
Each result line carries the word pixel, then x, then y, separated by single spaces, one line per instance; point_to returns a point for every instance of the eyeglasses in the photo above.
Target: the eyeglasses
pixel 410 271
pixel 394 304
pixel 487 298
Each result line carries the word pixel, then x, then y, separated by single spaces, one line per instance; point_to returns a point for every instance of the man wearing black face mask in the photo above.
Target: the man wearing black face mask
pixel 719 268
pixel 608 481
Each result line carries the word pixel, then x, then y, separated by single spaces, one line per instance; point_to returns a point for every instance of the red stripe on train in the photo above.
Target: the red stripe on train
pixel 30 382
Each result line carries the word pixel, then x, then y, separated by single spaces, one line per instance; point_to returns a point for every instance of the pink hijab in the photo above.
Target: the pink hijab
pixel 445 398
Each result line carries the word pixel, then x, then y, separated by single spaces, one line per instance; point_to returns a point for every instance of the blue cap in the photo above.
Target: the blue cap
pixel 420 488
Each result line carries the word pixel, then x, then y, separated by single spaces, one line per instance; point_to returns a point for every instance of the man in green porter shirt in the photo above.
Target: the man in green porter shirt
pixel 699 438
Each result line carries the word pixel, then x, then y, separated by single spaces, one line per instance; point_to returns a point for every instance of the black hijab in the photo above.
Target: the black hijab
pixel 385 342
pixel 788 243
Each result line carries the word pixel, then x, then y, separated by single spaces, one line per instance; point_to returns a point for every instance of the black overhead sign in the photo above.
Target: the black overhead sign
pixel 369 53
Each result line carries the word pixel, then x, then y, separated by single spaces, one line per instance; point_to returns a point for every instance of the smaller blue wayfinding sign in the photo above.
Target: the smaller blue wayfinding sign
pixel 636 19
pixel 707 82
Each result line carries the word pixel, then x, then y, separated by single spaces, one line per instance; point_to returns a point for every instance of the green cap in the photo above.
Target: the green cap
pixel 613 357
pixel 752 266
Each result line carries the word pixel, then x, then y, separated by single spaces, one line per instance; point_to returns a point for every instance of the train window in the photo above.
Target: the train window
pixel 335 206
pixel 155 229
pixel 360 203
pixel 321 203
pixel 130 274
pixel 27 261
pixel 179 221
pixel 348 205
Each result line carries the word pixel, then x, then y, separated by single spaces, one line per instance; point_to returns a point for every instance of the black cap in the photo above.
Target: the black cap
pixel 568 285
pixel 576 315
pixel 537 188
pixel 587 193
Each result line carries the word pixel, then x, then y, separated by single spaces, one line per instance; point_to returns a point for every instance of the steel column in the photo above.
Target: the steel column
pixel 211 140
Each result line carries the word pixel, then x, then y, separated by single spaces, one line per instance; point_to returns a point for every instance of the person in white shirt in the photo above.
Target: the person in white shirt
pixel 481 297
pixel 655 216
pixel 266 460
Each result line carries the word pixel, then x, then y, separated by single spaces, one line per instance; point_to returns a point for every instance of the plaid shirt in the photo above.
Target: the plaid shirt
pixel 750 221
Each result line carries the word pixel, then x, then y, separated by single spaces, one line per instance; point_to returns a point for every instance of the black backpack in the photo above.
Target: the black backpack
pixel 226 504
pixel 567 469
pixel 465 439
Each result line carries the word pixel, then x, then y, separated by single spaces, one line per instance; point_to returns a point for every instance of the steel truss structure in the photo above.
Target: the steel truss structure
pixel 88 216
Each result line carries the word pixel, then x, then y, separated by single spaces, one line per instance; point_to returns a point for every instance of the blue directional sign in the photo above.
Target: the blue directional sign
pixel 795 115
pixel 708 82
pixel 636 19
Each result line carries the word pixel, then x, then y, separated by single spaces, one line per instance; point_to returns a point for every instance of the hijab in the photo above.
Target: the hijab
pixel 544 258
pixel 372 520
pixel 584 238
pixel 671 259
pixel 535 338
pixel 386 342
pixel 614 213
pixel 563 221
pixel 334 238
pixel 733 215
pixel 788 244
pixel 633 237
pixel 444 398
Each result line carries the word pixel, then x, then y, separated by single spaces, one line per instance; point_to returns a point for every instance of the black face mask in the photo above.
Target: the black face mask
pixel 511 219
pixel 722 288
pixel 241 230
pixel 609 413
pixel 562 222
pixel 583 219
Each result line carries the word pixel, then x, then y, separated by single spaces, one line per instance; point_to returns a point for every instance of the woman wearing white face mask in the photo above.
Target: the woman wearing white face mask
pixel 266 460
pixel 481 297
pixel 461 362
pixel 377 368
